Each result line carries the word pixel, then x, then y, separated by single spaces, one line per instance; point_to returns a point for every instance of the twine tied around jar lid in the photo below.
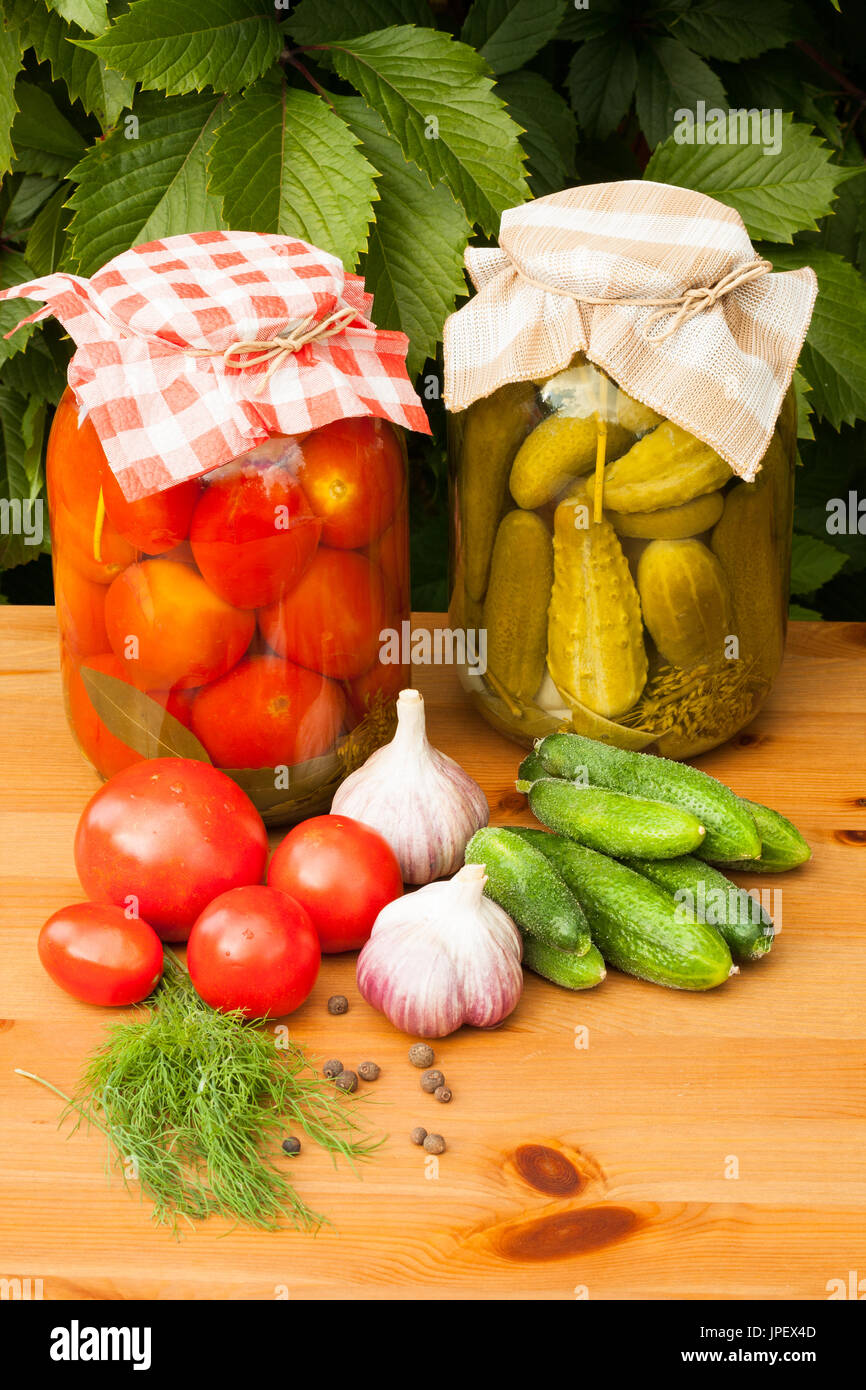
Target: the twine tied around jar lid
pixel 686 305
pixel 277 350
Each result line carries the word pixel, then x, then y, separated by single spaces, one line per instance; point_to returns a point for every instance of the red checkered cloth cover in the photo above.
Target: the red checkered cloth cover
pixel 149 329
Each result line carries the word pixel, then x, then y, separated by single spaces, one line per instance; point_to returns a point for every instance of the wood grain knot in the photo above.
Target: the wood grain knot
pixel 747 740
pixel 850 837
pixel 562 1234
pixel 548 1170
pixel 6 1024
pixel 512 801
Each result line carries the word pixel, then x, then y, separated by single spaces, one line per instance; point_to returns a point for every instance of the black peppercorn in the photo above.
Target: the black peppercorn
pixel 291 1145
pixel 421 1055
pixel 418 1135
pixel 434 1144
pixel 443 1093
pixel 369 1071
pixel 338 1004
pixel 332 1068
pixel 347 1081
pixel 430 1080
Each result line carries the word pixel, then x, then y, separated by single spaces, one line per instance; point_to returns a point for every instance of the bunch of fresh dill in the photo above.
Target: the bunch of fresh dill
pixel 193 1102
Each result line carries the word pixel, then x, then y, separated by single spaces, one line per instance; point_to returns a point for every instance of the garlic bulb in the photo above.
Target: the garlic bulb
pixel 422 801
pixel 441 957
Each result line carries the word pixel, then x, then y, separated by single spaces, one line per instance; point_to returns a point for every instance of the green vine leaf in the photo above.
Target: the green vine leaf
pixel 601 81
pixel 102 93
pixel 137 720
pixel 720 29
pixel 671 78
pixel 776 195
pixel 813 563
pixel 10 63
pixel 283 161
pixel 833 358
pixel 414 264
pixel 549 132
pixel 90 15
pixel 435 98
pixel 14 270
pixel 321 21
pixel 136 190
pixel 45 142
pixel 180 46
pixel 802 390
pixel 508 33
pixel 46 239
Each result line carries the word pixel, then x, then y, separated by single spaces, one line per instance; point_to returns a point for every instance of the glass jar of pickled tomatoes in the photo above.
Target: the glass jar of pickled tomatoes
pixel 238 616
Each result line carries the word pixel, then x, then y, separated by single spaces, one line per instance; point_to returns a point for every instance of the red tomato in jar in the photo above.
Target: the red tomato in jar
pixel 353 473
pixel 152 524
pixel 171 834
pixel 75 464
pixel 331 620
pixel 253 535
pixel 254 949
pixel 268 712
pixel 100 955
pixel 170 629
pixel 342 872
pixel 80 605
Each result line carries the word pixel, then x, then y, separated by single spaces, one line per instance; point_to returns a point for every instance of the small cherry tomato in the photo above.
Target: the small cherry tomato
pixel 97 953
pixel 342 872
pixel 352 472
pixel 171 834
pixel 254 949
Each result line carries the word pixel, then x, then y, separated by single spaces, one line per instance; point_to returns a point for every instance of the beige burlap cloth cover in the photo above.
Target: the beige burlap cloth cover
pixel 660 287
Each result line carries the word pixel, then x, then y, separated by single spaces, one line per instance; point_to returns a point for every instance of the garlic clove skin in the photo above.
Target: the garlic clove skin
pixel 442 957
pixel 419 799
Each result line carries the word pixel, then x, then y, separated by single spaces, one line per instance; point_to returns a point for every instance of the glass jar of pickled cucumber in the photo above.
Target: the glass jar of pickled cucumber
pixel 629 586
pixel 237 615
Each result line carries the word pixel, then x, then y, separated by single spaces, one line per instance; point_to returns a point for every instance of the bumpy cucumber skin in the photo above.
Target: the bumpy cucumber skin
pixel 634 923
pixel 564 967
pixel 746 927
pixel 613 822
pixel 732 834
pixel 524 882
pixel 515 609
pixel 782 845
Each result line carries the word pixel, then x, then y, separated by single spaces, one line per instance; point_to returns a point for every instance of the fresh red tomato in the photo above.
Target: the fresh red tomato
pixel 98 954
pixel 352 472
pixel 253 535
pixel 268 712
pixel 331 620
pixel 153 524
pixel 254 949
pixel 171 834
pixel 342 872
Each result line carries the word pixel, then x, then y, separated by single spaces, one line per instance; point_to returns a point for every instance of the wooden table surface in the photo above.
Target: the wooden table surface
pixel 629 1142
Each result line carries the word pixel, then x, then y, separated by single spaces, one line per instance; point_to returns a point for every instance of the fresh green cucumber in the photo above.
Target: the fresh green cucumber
pixel 530 770
pixel 523 881
pixel 613 822
pixel 731 830
pixel 782 845
pixel 705 894
pixel 634 923
pixel 564 967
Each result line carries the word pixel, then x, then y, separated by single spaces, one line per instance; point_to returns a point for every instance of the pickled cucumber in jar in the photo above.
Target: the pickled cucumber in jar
pixel 632 588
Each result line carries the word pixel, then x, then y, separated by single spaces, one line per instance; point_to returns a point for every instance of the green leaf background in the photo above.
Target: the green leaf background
pixel 393 132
